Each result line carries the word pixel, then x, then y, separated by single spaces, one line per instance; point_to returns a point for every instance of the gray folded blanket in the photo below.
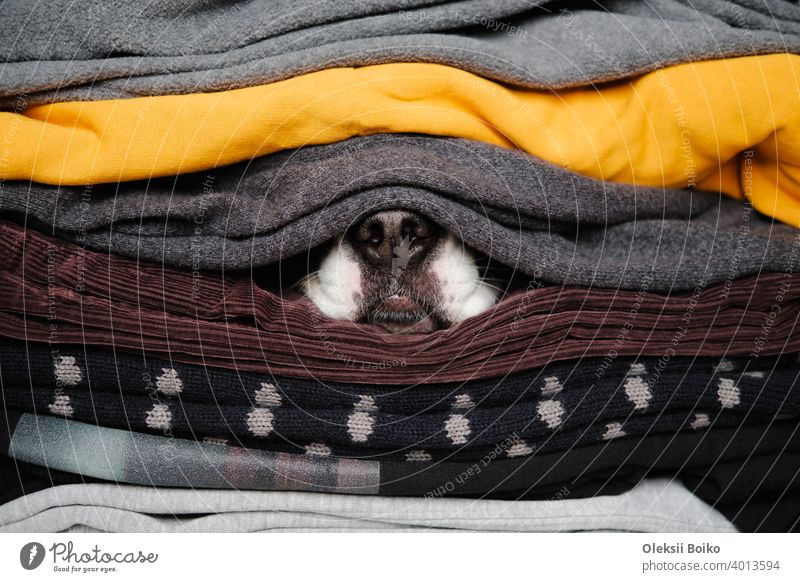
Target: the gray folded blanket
pixel 655 505
pixel 101 49
pixel 548 223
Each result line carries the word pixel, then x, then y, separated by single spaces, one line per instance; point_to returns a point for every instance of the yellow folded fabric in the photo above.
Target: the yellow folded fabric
pixel 728 125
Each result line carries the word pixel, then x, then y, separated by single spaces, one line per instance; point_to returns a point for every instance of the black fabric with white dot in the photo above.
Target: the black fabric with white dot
pixel 559 406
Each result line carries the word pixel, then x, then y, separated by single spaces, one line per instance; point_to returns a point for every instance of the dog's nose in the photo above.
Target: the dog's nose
pixel 396 238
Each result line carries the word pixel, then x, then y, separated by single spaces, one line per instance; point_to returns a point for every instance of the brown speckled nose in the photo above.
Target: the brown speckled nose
pixel 385 236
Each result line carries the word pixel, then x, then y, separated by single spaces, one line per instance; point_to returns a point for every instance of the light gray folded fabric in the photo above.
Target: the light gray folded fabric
pixel 658 505
pixel 545 221
pixel 61 50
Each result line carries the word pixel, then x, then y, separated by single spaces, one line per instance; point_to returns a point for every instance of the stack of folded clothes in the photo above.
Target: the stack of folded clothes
pixel 635 168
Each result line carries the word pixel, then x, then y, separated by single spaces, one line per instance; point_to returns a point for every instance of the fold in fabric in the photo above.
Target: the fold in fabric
pixel 120 50
pixel 762 457
pixel 54 291
pixel 543 221
pixel 553 408
pixel 657 505
pixel 729 126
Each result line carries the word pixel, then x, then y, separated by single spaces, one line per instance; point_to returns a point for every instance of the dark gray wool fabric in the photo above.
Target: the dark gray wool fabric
pixel 544 221
pixel 99 49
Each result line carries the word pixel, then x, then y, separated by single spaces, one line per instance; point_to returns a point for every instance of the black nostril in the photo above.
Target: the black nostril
pixel 370 232
pixel 415 228
pixel 381 237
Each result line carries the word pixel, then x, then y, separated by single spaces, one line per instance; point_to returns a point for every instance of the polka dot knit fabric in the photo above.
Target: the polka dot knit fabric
pixel 556 407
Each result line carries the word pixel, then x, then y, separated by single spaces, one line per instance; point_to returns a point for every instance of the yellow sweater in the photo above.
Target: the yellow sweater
pixel 684 125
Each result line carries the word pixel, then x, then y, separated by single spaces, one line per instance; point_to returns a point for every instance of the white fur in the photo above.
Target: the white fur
pixel 463 292
pixel 336 287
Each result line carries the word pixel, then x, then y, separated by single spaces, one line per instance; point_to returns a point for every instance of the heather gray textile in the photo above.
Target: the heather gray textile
pixel 658 505
pixel 62 50
pixel 145 459
pixel 547 222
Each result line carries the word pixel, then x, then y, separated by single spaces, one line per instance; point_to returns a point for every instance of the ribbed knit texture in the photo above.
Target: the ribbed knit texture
pixel 55 291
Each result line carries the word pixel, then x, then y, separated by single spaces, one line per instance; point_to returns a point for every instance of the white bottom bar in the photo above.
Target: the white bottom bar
pixel 402 557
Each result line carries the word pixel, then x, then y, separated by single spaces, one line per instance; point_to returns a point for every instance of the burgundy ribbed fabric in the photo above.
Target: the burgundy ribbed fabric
pixel 55 291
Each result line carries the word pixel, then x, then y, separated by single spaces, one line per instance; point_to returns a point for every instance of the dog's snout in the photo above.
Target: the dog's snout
pixel 394 236
pixel 400 271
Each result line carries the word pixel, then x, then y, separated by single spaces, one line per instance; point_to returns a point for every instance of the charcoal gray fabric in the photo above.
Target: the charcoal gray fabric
pixel 61 50
pixel 547 222
pixel 657 505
